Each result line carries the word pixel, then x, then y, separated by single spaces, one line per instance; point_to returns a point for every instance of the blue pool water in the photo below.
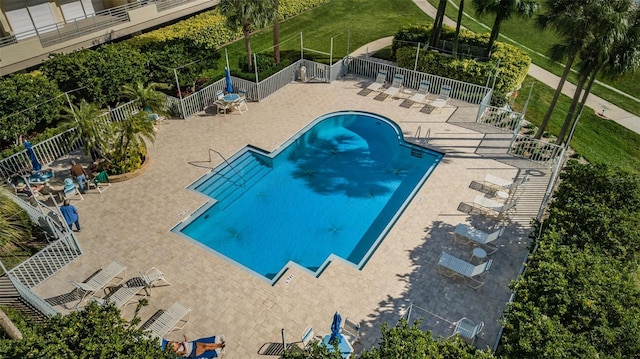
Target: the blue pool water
pixel 332 191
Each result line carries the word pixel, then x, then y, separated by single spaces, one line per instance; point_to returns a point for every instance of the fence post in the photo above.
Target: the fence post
pixel 415 65
pixel 255 68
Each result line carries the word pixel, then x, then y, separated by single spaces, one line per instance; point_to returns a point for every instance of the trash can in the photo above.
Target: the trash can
pixel 303 74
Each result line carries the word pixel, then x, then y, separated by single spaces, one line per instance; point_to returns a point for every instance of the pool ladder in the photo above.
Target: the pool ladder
pixel 425 139
pixel 244 181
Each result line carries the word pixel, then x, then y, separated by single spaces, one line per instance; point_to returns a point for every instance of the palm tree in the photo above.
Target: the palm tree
pixel 458 24
pixel 147 97
pixel 247 14
pixel 614 59
pixel 504 9
pixel 612 25
pixel 434 39
pixel 276 32
pixel 133 131
pixel 563 17
pixel 90 127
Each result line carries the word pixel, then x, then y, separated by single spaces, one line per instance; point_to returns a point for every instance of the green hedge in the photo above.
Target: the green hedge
pixel 512 63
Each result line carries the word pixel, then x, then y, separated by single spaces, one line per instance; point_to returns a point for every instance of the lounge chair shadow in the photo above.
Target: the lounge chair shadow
pixel 64 299
pixel 479 187
pixel 274 349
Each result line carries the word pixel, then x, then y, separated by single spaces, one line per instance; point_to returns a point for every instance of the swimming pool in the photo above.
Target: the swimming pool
pixel 330 192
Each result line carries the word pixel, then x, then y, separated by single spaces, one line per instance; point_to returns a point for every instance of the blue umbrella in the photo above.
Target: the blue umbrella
pixel 336 337
pixel 227 78
pixel 32 156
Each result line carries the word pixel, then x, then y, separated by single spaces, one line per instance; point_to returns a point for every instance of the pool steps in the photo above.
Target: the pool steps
pixel 229 183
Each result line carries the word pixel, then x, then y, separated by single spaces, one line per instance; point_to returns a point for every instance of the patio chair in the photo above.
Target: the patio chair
pixel 396 86
pixel 473 275
pixel 482 238
pixel 492 208
pixel 467 329
pixel 496 184
pixel 240 104
pixel 153 276
pixel 104 277
pixel 221 105
pixel 381 79
pixel 351 330
pixel 308 337
pixel 420 97
pixel 443 98
pixel 100 181
pixel 174 318
pixel 70 189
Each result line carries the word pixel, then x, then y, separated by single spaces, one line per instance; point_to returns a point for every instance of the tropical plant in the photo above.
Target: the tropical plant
pixel 147 97
pixel 91 129
pixel 129 148
pixel 504 9
pixel 247 14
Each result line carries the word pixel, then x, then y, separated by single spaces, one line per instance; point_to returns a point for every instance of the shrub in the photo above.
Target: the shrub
pixel 26 101
pixel 511 62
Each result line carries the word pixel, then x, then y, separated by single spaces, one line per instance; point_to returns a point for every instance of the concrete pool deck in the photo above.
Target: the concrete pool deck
pixel 130 223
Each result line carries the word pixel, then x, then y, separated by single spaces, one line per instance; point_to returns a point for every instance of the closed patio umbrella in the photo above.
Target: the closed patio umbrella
pixel 336 337
pixel 32 156
pixel 227 78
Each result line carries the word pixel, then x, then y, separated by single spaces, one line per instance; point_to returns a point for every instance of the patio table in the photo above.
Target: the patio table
pixel 345 347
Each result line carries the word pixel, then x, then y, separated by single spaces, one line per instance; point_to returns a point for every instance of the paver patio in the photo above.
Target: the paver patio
pixel 131 221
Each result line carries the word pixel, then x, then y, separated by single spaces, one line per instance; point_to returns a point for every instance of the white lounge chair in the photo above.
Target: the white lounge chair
pixel 112 274
pixel 421 96
pixel 396 86
pixel 123 295
pixel 153 276
pixel 174 318
pixel 495 183
pixel 490 207
pixel 449 266
pixel 381 79
pixel 475 235
pixel 467 329
pixel 443 98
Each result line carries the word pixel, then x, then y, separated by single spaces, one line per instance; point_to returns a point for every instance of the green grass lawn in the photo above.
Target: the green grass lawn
pixel 351 23
pixel 521 30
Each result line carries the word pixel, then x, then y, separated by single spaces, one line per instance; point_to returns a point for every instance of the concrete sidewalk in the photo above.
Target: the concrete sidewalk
pixel 599 105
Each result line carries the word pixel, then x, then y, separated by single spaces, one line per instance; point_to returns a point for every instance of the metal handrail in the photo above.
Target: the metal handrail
pixel 229 164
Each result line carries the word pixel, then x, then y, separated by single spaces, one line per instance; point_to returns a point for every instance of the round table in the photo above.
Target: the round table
pixel 479 253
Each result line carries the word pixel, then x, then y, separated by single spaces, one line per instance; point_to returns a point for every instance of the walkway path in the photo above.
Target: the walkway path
pixel 615 113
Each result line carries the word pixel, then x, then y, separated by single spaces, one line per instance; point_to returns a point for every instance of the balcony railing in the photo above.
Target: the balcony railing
pixel 73 28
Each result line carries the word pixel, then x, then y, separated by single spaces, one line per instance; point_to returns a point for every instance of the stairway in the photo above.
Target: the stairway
pixel 10 297
pixel 234 179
